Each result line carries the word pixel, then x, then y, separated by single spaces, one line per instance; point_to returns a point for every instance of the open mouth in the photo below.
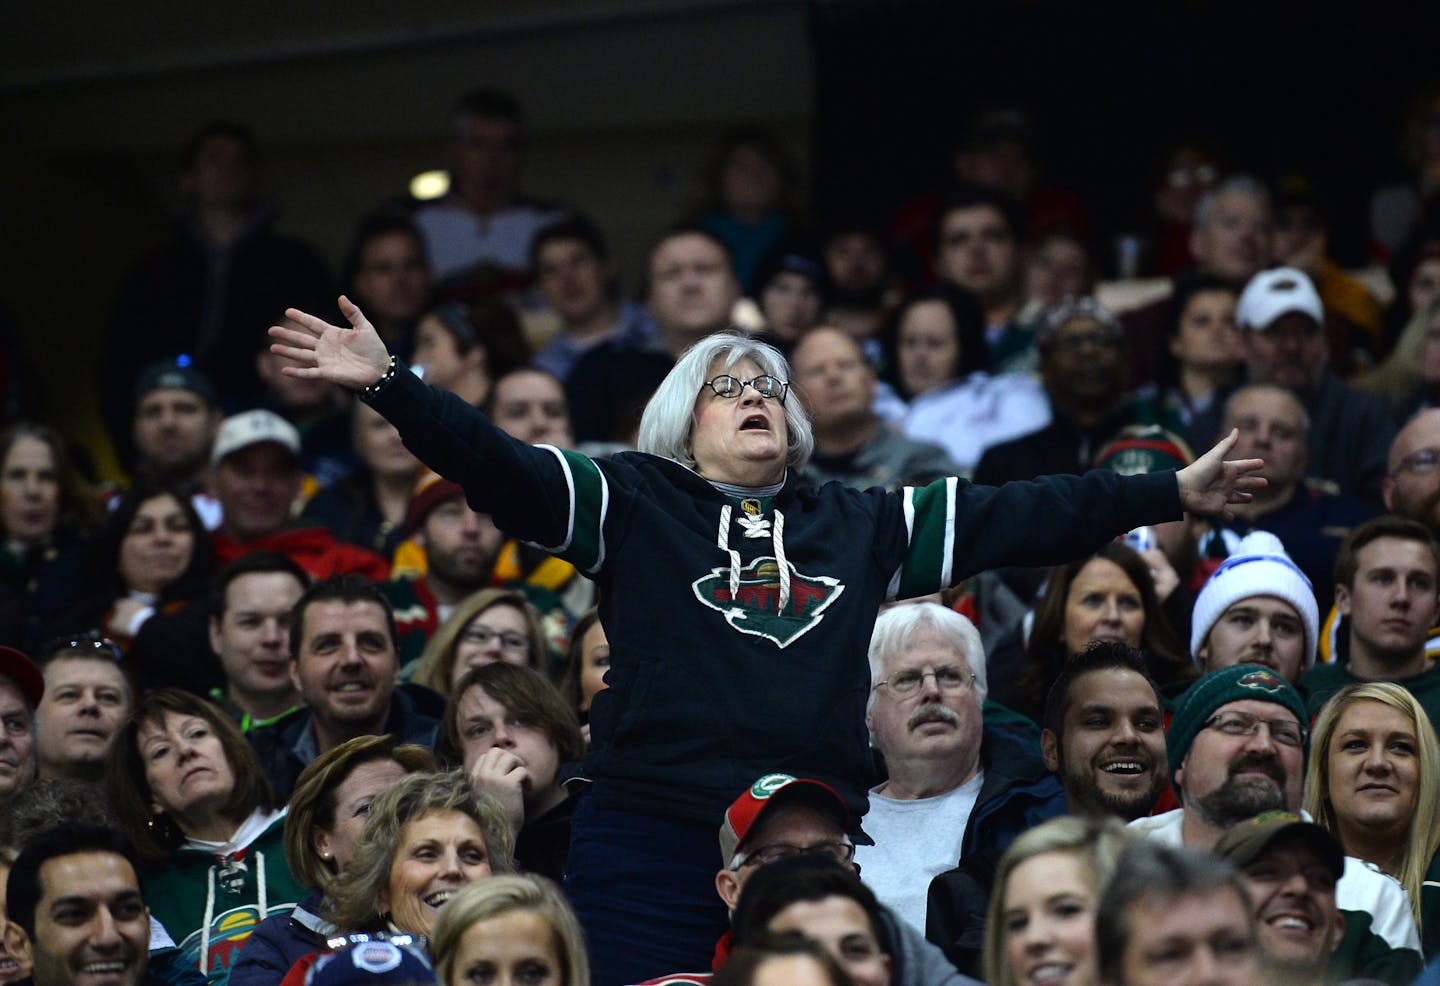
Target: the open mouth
pixel 1125 768
pixel 103 968
pixel 1049 974
pixel 755 422
pixel 438 898
pixel 1291 922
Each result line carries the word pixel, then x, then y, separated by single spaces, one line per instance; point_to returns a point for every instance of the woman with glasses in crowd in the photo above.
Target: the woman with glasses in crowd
pixel 491 625
pixel 323 823
pixel 736 601
pixel 1374 781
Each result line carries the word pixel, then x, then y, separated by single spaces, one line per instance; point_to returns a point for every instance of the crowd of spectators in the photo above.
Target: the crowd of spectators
pixel 324 693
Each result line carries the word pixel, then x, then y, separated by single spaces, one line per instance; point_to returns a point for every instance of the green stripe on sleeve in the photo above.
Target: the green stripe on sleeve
pixel 927 564
pixel 590 499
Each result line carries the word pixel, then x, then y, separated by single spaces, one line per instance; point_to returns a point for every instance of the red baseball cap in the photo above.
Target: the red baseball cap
pixel 21 670
pixel 746 811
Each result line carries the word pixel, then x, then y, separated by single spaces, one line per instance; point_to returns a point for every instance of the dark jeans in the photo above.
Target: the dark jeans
pixel 644 888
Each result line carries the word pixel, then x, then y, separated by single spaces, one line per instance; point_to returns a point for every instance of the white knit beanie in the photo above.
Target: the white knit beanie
pixel 1259 566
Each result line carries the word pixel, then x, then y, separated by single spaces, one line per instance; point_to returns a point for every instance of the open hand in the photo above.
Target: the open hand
pixel 1211 484
pixel 353 357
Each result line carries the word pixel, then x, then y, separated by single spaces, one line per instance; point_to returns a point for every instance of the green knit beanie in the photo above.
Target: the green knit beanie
pixel 1239 683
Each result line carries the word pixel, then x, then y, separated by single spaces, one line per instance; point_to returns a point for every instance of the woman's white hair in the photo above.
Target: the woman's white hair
pixel 898 626
pixel 669 418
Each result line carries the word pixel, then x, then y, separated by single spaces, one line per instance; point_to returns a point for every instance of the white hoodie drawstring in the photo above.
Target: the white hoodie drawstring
pixel 260 883
pixel 209 916
pixel 777 542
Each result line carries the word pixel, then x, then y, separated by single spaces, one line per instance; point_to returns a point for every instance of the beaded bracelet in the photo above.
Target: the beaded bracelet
pixel 370 392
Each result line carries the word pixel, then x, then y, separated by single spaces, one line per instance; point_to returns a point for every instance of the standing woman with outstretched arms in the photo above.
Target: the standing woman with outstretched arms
pixel 738 602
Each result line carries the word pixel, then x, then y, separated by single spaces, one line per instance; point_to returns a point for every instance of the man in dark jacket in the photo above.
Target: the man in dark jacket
pixel 1082 365
pixel 956 790
pixel 343 659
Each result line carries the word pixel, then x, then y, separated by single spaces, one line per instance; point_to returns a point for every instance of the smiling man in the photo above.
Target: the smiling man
pixel 1387 586
pixel 344 664
pixel 957 792
pixel 1237 748
pixel 76 894
pixel 1104 735
pixel 1290 868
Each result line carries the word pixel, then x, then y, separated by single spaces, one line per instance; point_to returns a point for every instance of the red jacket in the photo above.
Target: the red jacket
pixel 314 549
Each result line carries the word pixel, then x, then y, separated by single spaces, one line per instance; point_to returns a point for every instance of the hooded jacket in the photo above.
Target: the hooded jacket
pixel 211 898
pixel 738 625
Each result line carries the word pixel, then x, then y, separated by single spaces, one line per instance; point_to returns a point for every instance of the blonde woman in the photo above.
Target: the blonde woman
pixel 510 928
pixel 1409 378
pixel 1041 923
pixel 1374 782
pixel 491 625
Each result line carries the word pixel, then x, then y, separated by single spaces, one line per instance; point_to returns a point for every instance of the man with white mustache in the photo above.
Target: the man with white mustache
pixel 956 792
pixel 1237 747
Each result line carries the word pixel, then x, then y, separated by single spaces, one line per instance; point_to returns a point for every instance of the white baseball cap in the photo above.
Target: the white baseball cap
pixel 1272 293
pixel 240 431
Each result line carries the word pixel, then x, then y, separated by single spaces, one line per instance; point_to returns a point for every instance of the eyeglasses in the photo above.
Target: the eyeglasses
pixel 1075 341
pixel 765 385
pixel 1286 732
pixel 1420 463
pixel 948 679
pixel 509 640
pixel 85 645
pixel 841 852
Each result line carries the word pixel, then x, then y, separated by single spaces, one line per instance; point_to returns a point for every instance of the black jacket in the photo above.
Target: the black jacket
pixel 414 717
pixel 714 681
pixel 1019 792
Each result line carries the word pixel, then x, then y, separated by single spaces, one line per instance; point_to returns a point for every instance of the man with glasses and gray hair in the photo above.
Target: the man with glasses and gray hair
pixel 1237 746
pixel 955 790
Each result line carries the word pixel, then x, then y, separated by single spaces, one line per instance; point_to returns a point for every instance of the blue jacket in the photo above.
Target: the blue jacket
pixel 278 942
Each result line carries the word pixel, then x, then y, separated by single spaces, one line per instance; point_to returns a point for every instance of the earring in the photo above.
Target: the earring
pixel 325 854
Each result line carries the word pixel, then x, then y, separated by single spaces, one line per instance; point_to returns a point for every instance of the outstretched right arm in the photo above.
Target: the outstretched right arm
pixel 532 493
